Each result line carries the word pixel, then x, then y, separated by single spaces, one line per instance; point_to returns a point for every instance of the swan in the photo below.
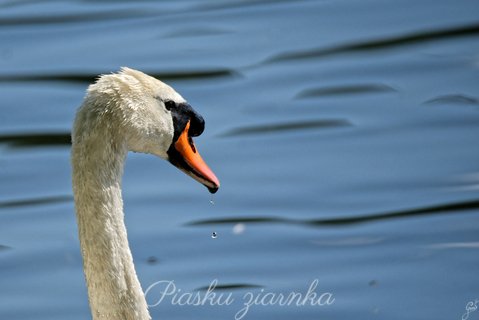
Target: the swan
pixel 121 112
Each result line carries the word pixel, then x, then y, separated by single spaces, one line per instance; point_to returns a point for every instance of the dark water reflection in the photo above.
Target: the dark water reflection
pixel 35 202
pixel 90 78
pixel 344 135
pixel 386 43
pixel 454 99
pixel 292 126
pixel 344 90
pixel 36 140
pixel 452 208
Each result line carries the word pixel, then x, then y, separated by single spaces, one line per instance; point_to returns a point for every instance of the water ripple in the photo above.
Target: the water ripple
pixel 454 99
pixel 384 43
pixel 343 90
pixel 197 32
pixel 289 126
pixel 35 201
pixel 472 205
pixel 432 210
pixel 347 242
pixel 73 18
pixel 231 286
pixel 36 140
pixel 455 245
pixel 91 77
pixel 219 5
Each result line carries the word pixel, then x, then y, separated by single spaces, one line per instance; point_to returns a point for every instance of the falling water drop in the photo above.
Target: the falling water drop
pixel 212 201
pixel 214 235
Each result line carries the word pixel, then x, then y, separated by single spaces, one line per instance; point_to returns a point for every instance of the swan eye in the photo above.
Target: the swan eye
pixel 169 104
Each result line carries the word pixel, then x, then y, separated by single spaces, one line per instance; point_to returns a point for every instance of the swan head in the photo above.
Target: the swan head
pixel 149 116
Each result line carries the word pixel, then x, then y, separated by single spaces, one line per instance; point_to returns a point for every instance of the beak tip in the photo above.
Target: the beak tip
pixel 213 190
pixel 215 186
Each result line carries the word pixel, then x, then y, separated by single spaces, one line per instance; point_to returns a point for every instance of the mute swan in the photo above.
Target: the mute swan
pixel 125 111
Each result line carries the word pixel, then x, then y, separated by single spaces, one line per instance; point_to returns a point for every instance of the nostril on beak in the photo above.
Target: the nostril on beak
pixel 197 125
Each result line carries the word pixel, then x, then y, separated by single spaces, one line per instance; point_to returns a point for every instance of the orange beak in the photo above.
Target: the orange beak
pixel 196 166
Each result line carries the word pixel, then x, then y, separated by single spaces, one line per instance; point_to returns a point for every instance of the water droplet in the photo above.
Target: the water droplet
pixel 239 228
pixel 373 283
pixel 214 235
pixel 152 260
pixel 212 202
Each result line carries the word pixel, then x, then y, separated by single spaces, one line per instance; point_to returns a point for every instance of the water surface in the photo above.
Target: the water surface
pixel 344 134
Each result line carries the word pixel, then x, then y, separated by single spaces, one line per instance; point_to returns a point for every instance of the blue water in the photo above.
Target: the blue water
pixel 344 133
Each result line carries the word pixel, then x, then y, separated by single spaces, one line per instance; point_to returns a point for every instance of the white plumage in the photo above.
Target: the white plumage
pixel 121 112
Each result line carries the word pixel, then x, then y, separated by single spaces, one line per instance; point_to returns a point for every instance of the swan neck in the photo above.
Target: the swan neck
pixel 114 291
